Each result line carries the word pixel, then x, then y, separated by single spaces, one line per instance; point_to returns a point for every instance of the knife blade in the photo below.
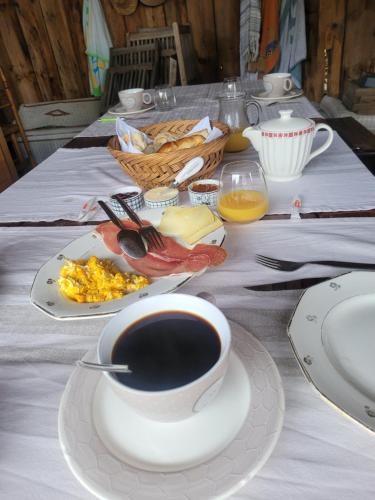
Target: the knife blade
pixel 288 285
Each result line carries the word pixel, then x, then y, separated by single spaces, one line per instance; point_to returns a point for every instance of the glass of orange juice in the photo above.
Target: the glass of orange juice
pixel 243 195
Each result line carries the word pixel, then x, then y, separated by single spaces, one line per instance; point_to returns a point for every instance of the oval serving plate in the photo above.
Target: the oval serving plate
pixel 45 294
pixel 332 332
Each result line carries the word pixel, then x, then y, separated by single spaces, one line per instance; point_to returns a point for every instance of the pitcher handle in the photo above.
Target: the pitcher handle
pixel 258 107
pixel 326 144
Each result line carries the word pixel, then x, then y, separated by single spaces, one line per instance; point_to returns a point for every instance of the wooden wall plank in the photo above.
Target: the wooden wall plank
pixel 331 30
pixel 63 49
pixel 175 11
pixel 44 65
pixel 116 24
pixel 22 74
pixel 42 48
pixel 202 19
pixel 312 82
pixel 227 28
pixel 78 39
pixel 154 16
pixel 360 25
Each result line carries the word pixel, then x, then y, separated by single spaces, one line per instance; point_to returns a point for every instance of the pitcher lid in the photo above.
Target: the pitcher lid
pixel 286 122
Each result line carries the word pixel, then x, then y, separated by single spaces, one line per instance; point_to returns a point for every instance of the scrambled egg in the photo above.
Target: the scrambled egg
pixel 97 280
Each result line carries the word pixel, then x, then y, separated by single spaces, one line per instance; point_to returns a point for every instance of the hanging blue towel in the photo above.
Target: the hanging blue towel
pixel 292 39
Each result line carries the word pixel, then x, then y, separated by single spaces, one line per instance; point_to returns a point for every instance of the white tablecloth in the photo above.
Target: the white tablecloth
pixel 56 189
pixel 320 454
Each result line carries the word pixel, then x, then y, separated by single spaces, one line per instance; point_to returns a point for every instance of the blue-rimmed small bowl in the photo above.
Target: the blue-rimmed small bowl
pixel 164 200
pixel 208 198
pixel 135 202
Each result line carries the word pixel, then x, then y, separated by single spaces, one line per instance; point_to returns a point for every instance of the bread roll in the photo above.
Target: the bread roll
pixel 183 143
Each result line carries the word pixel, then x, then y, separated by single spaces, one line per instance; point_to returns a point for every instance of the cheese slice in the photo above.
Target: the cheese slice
pixel 188 223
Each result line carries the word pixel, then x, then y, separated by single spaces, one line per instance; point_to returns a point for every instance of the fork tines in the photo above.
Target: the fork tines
pixel 267 261
pixel 153 236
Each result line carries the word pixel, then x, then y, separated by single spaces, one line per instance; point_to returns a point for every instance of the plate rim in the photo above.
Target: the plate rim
pixel 285 97
pixel 270 443
pixel 304 363
pixel 182 278
pixel 112 111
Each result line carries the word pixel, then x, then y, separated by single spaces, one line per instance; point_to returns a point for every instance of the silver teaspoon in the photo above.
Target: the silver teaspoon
pixel 103 367
pixel 129 241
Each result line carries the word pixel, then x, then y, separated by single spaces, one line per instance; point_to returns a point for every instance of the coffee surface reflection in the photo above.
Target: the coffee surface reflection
pixel 166 350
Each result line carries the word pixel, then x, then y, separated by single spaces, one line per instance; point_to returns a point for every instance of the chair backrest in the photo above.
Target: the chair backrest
pixel 130 67
pixel 165 39
pixel 121 78
pixel 174 41
pixel 131 56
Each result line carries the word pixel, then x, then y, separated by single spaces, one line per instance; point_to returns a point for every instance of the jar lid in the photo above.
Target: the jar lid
pixel 286 123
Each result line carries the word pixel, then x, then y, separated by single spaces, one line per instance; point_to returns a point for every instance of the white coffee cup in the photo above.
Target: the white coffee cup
pixel 181 402
pixel 133 99
pixel 277 84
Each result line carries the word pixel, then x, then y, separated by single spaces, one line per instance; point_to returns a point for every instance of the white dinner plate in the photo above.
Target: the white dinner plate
pixel 102 467
pixel 119 110
pixel 263 96
pixel 46 296
pixel 332 332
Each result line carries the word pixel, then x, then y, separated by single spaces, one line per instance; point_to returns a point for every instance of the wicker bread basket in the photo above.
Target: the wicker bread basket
pixel 160 169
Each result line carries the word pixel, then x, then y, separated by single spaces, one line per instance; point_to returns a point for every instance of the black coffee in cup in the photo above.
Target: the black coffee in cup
pixel 166 350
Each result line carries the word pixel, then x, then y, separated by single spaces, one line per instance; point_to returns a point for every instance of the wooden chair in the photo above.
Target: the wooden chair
pixel 13 128
pixel 131 56
pixel 174 42
pixel 121 78
pixel 130 67
pixel 8 172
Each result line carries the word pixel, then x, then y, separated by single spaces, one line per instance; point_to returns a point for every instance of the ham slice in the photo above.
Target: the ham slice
pixel 173 259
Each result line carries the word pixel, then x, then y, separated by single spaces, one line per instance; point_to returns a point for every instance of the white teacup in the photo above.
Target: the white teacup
pixel 277 84
pixel 133 99
pixel 183 401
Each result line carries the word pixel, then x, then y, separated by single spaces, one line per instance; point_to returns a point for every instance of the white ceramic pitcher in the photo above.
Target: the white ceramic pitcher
pixel 284 145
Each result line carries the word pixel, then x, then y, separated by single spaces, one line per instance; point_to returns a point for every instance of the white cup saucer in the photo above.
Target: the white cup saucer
pixel 119 110
pixel 169 447
pixel 265 96
pixel 116 453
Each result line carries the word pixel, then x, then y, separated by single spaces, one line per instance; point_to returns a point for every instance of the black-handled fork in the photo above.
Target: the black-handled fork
pixel 148 231
pixel 287 265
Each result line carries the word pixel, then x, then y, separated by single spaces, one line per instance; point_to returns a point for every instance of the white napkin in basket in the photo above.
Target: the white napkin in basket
pixel 123 128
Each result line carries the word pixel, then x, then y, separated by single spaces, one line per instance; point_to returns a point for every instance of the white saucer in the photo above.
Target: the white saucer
pixel 332 334
pixel 119 110
pixel 264 96
pixel 102 463
pixel 161 447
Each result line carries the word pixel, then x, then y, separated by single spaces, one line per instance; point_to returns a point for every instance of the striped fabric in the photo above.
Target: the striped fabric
pixel 250 21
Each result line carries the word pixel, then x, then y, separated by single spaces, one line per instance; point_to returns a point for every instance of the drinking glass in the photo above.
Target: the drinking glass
pixel 243 195
pixel 164 97
pixel 232 86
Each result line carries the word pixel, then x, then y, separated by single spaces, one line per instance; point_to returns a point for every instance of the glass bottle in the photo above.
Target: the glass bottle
pixel 233 112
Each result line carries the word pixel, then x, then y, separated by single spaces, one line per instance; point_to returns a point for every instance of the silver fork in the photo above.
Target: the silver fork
pixel 148 231
pixel 287 265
